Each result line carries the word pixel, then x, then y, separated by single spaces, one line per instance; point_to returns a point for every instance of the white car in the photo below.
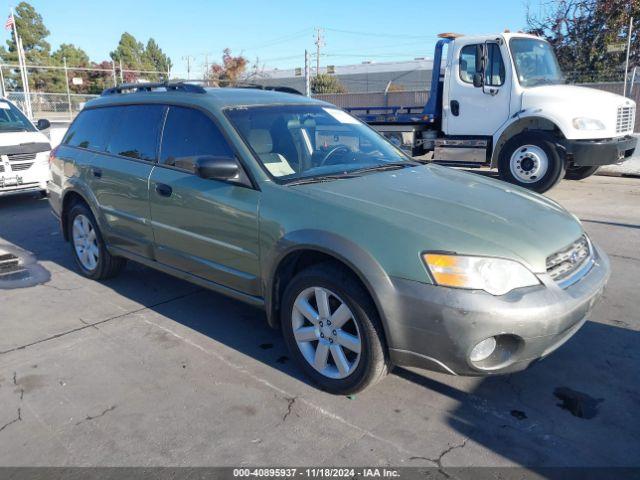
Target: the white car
pixel 24 152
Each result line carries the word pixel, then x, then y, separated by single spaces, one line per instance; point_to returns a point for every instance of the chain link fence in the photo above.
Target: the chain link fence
pixel 52 106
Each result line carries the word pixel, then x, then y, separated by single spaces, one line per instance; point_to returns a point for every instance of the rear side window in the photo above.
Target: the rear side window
pixel 91 129
pixel 135 132
pixel 188 134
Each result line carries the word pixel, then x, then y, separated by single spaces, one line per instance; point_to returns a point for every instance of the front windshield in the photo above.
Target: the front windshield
pixel 305 142
pixel 535 62
pixel 13 120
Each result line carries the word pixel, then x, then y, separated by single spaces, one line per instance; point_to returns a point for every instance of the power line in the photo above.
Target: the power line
pixel 378 34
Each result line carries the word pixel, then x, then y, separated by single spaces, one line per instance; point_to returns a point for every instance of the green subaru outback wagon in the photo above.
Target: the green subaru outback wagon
pixel 364 258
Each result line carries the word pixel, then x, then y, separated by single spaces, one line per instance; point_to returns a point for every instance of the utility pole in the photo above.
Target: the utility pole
pixel 307 89
pixel 121 74
pixel 113 73
pixel 626 65
pixel 319 44
pixel 66 77
pixel 188 58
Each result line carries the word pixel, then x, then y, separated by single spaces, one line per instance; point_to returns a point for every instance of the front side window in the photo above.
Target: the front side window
pixel 535 62
pixel 188 134
pixel 136 131
pixel 90 129
pixel 295 142
pixel 13 120
pixel 470 64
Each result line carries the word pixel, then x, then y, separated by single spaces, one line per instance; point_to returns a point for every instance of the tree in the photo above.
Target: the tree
pixel 325 83
pixel 130 53
pixel 33 33
pixel 76 57
pixel 229 71
pixel 580 30
pixel 156 58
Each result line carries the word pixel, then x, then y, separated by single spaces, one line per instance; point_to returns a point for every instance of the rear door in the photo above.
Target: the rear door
pixel 208 228
pixel 119 174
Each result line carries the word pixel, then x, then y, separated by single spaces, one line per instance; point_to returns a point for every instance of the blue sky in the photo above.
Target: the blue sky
pixel 275 31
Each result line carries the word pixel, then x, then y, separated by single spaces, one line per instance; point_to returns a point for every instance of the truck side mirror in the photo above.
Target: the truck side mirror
pixel 477 80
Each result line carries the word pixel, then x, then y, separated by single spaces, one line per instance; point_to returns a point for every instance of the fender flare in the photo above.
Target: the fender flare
pixel 79 188
pixel 366 267
pixel 541 124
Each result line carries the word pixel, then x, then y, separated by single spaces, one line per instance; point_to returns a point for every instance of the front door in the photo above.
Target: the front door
pixel 207 228
pixel 470 110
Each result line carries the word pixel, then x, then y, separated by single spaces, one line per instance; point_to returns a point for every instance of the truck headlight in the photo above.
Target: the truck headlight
pixel 496 276
pixel 584 123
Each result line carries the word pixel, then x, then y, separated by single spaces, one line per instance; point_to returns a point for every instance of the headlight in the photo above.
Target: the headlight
pixel 584 123
pixel 493 275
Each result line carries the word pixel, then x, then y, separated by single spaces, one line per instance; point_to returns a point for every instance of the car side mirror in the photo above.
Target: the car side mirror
pixel 477 80
pixel 216 167
pixel 43 124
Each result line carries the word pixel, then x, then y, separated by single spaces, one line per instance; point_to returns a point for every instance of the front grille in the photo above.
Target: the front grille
pixel 17 167
pixel 21 157
pixel 568 261
pixel 1 168
pixel 625 119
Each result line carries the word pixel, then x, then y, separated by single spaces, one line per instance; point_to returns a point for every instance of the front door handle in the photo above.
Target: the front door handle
pixel 97 172
pixel 163 189
pixel 455 108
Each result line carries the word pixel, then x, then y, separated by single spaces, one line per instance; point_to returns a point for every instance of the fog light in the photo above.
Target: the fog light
pixel 483 350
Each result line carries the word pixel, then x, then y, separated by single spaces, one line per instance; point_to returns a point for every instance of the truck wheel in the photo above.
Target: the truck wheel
pixel 531 161
pixel 332 330
pixel 580 173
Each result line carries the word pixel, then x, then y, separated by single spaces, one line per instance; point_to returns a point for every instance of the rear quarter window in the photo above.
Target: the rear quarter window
pixel 90 130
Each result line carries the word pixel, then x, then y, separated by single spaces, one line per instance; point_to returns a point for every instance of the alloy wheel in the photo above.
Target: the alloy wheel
pixel 85 242
pixel 326 332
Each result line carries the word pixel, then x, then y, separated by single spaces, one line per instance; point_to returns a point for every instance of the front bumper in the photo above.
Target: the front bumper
pixel 437 327
pixel 582 153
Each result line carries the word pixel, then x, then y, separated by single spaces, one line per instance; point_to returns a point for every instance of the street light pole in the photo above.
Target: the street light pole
pixel 626 64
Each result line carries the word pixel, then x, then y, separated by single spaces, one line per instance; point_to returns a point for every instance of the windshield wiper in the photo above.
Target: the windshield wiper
pixel 320 178
pixel 384 167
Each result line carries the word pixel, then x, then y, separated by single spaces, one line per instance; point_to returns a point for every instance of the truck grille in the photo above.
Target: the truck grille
pixel 625 119
pixel 564 264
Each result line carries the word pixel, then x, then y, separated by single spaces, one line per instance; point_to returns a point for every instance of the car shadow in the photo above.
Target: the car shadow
pixel 578 407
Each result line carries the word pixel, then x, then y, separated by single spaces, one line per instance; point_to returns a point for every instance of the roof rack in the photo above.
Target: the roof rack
pixel 274 88
pixel 148 87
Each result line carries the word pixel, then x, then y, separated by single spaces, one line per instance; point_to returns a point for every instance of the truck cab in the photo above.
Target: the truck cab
pixel 501 101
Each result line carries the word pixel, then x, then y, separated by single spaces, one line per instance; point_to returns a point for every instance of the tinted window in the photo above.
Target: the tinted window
pixel 136 130
pixel 90 129
pixel 494 70
pixel 188 134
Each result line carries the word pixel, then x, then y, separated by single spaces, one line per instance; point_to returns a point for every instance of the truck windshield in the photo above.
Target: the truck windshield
pixel 535 62
pixel 13 120
pixel 303 143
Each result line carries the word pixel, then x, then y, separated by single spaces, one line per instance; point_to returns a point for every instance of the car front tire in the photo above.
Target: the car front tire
pixel 88 247
pixel 332 330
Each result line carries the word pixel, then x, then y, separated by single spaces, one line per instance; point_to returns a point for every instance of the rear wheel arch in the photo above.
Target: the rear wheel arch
pixel 70 199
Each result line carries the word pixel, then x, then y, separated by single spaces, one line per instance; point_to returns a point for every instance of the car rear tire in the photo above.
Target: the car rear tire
pixel 333 331
pixel 580 173
pixel 531 161
pixel 88 247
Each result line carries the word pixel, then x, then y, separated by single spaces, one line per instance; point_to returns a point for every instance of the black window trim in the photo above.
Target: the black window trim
pixel 475 45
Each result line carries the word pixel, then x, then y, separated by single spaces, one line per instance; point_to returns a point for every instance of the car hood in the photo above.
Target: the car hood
pixel 563 103
pixel 18 138
pixel 438 208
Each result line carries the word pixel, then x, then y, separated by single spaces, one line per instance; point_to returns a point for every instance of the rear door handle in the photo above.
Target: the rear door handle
pixel 97 172
pixel 163 189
